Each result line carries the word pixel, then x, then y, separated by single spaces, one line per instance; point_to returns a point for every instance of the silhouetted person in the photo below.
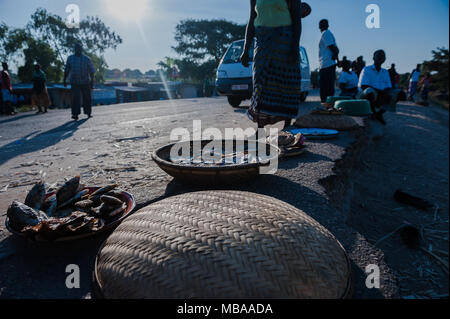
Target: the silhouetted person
pixel 425 85
pixel 328 55
pixel 395 77
pixel 413 81
pixel 81 71
pixel 376 85
pixel 358 65
pixel 276 25
pixel 7 93
pixel 348 81
pixel 40 97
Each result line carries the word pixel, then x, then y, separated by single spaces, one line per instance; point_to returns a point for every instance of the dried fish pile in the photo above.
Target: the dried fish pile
pixel 73 209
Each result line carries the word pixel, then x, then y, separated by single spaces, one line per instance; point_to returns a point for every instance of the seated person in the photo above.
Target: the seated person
pixel 348 82
pixel 376 86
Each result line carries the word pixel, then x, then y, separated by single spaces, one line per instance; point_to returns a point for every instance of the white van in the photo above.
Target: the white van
pixel 235 81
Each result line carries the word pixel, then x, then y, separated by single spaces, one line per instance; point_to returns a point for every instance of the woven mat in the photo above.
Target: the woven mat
pixel 222 244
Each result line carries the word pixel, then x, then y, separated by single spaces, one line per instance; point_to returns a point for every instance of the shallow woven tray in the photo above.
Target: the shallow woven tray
pixel 221 244
pixel 209 175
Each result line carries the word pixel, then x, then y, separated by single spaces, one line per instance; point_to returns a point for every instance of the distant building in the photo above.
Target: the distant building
pixel 129 94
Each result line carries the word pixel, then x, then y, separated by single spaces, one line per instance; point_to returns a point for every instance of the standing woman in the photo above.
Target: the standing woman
pixel 276 24
pixel 40 96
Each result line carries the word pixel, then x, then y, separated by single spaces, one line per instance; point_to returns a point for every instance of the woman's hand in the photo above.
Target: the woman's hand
pixel 245 58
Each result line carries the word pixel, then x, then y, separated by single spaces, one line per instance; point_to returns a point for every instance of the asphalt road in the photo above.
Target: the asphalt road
pixel 116 145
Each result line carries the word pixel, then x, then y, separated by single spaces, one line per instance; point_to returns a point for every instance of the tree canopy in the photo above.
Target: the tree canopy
pixel 201 45
pixel 439 67
pixel 47 34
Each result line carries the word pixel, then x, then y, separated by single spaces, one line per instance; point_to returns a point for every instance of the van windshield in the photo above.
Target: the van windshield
pixel 234 53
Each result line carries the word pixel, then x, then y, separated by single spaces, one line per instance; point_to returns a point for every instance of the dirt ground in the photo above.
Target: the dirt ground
pixel 412 157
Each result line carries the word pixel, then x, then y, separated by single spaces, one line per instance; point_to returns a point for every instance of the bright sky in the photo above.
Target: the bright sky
pixel 409 29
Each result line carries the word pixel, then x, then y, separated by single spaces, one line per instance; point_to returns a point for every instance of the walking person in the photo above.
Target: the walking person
pixel 276 24
pixel 7 92
pixel 328 55
pixel 81 71
pixel 40 97
pixel 413 81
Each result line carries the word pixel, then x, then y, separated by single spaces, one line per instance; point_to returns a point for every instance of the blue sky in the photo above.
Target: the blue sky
pixel 410 29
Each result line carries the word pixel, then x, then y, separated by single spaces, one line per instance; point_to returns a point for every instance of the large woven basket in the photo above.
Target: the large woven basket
pixel 225 244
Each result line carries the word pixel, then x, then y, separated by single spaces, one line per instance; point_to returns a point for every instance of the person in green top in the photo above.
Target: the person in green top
pixel 276 27
pixel 40 98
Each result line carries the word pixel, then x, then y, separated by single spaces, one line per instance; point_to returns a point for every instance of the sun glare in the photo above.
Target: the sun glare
pixel 127 10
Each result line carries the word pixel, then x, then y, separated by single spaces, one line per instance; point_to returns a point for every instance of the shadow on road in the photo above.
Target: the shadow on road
pixel 38 142
pixel 15 118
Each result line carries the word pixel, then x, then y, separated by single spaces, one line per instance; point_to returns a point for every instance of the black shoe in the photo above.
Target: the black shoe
pixel 89 116
pixel 75 117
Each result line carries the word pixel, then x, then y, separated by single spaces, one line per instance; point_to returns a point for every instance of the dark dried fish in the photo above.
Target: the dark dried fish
pixel 117 211
pixel 97 224
pixel 74 199
pixel 86 204
pixel 104 190
pixel 21 216
pixel 111 201
pixel 49 206
pixel 68 190
pixel 35 198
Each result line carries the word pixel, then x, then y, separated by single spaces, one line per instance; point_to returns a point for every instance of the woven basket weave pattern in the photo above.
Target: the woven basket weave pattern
pixel 222 245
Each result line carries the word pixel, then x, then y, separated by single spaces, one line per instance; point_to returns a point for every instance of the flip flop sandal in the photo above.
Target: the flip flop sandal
pixel 292 151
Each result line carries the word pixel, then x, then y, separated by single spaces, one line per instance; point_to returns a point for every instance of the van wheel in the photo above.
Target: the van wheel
pixel 234 101
pixel 303 96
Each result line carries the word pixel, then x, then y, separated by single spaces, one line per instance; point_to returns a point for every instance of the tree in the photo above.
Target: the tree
pixel 201 45
pixel 40 52
pixel 439 67
pixel 92 33
pixel 50 29
pixel 3 38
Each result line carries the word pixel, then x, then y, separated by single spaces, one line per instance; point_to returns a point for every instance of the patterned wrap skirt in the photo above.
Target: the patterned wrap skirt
pixel 276 81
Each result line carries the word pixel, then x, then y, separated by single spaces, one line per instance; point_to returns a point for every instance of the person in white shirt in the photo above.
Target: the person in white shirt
pixel 413 81
pixel 348 81
pixel 328 55
pixel 376 86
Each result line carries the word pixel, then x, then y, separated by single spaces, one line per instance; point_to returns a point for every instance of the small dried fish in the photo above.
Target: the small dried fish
pixel 21 216
pixel 35 197
pixel 111 201
pixel 116 212
pixel 104 190
pixel 50 205
pixel 96 224
pixel 84 204
pixel 68 190
pixel 74 199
